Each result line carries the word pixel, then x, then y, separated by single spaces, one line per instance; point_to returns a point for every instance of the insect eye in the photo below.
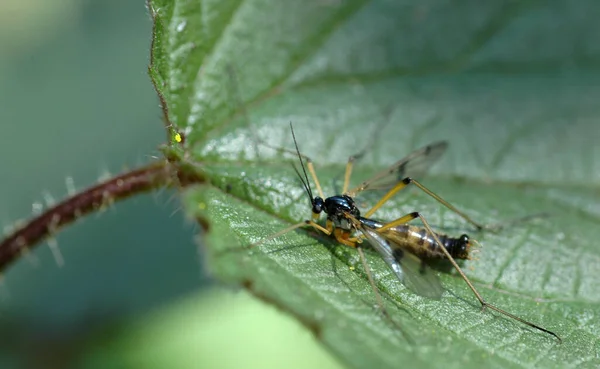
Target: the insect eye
pixel 317 205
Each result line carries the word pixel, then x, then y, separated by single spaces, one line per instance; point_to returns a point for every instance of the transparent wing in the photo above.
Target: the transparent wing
pixel 416 164
pixel 407 267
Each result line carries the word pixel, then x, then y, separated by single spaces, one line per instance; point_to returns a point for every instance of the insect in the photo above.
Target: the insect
pixel 406 249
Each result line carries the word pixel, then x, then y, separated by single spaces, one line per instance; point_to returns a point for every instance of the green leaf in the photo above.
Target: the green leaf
pixel 514 88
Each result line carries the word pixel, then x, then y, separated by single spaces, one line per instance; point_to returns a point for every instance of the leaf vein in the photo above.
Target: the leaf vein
pixel 510 256
pixel 315 44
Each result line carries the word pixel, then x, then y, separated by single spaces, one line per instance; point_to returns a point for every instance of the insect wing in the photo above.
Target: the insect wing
pixel 407 267
pixel 416 164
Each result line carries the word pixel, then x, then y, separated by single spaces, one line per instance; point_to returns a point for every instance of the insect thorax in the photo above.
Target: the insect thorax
pixel 337 209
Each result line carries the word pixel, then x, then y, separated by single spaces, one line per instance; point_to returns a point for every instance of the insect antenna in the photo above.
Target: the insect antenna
pixel 306 187
pixel 304 180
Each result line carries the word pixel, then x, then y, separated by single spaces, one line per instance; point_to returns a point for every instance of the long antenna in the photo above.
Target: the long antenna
pixel 307 183
pixel 306 189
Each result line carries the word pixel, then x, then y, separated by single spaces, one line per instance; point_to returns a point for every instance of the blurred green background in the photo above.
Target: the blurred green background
pixel 75 101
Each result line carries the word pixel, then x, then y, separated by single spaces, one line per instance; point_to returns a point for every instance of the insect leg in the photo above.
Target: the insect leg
pixel 343 237
pixel 484 304
pixel 311 170
pixel 382 308
pixel 291 228
pixel 280 149
pixel 348 173
pixel 402 220
pixel 405 182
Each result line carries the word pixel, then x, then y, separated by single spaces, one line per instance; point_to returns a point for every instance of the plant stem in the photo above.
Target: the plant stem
pixel 93 199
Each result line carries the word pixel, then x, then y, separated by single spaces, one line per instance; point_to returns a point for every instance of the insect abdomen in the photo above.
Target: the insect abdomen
pixel 422 244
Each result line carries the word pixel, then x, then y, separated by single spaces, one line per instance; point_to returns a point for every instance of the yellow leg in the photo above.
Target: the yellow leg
pixel 402 220
pixel 277 234
pixel 316 226
pixel 348 173
pixel 385 198
pixel 382 308
pixel 342 237
pixel 484 304
pixel 356 240
pixel 405 182
pixel 311 170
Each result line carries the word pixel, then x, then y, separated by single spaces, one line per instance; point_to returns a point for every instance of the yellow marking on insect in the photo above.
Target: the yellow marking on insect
pixel 177 137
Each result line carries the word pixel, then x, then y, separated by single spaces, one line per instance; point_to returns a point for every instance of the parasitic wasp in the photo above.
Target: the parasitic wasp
pixel 405 249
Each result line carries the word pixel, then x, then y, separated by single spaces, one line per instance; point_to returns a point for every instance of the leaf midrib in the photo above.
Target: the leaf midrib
pixel 459 179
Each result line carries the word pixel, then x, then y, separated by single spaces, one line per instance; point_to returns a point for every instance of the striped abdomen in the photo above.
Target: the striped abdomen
pixel 419 242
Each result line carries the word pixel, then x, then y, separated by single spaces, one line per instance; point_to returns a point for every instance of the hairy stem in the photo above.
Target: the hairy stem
pixel 92 199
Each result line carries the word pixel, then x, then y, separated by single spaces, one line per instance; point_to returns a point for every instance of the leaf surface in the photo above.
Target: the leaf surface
pixel 512 86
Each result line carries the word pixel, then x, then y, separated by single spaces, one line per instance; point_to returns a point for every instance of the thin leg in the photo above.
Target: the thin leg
pixel 484 304
pixel 405 182
pixel 309 165
pixel 316 226
pixel 402 220
pixel 363 260
pixel 515 222
pixel 289 229
pixel 382 308
pixel 281 149
pixel 348 173
pixel 311 170
pixel 376 132
pixel 344 238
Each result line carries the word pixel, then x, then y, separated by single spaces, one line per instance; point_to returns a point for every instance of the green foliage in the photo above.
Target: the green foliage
pixel 513 87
